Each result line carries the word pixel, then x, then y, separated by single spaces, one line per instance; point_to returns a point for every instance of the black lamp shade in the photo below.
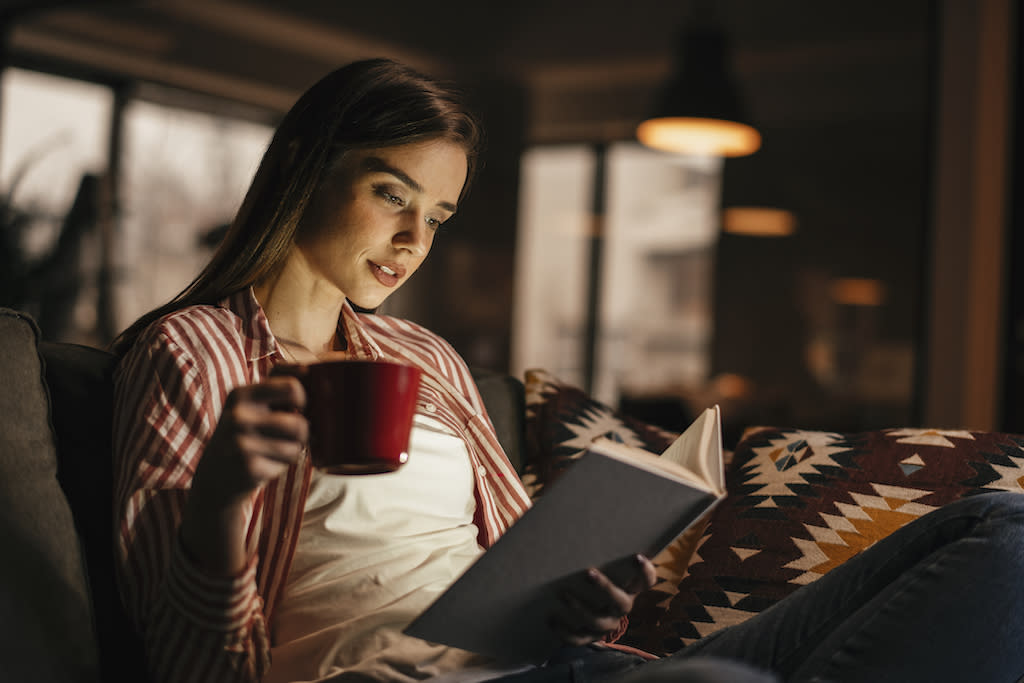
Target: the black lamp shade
pixel 700 110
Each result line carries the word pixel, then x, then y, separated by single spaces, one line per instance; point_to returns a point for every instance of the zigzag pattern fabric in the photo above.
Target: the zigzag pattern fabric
pixel 561 421
pixel 801 503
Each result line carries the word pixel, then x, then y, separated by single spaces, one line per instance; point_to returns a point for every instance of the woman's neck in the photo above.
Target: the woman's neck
pixel 302 311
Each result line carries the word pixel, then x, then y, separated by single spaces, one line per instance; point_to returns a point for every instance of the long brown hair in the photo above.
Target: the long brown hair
pixel 365 104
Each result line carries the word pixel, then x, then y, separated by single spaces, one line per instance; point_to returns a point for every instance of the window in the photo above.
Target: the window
pixel 183 176
pixel 54 140
pixel 656 243
pixel 86 266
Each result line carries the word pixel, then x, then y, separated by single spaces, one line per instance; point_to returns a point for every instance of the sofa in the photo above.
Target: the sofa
pixel 799 503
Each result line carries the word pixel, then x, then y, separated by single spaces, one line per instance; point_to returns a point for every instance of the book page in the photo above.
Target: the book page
pixel 695 456
pixel 699 449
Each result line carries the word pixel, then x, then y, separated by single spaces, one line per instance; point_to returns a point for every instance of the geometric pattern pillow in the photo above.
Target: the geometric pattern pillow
pixel 562 420
pixel 801 503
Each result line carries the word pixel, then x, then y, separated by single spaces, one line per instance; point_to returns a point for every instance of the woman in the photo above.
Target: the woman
pixel 218 569
pixel 238 561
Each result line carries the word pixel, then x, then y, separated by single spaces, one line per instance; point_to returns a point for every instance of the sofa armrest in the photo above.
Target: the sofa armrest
pixel 45 609
pixel 80 383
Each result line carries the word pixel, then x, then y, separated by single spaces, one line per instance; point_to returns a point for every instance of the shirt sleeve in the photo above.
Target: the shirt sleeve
pixel 195 627
pixel 613 636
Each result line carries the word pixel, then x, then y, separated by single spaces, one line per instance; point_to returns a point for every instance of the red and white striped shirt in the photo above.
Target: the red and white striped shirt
pixel 169 392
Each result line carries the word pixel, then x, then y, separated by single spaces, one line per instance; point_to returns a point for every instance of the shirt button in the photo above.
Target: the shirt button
pixel 482 471
pixel 430 408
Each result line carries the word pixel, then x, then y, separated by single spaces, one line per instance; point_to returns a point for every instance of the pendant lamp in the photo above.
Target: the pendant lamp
pixel 699 111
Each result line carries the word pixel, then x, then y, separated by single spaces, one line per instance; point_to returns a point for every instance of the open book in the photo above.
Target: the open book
pixel 615 501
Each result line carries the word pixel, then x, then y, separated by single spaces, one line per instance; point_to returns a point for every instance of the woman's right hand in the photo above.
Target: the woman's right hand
pixel 261 432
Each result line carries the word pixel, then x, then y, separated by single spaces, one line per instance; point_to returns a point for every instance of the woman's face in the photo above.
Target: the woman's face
pixel 370 226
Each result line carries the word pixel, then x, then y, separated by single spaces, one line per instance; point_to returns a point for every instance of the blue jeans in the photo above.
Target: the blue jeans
pixel 941 599
pixel 591 663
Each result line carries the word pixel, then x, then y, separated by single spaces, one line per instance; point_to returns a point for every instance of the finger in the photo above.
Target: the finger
pixel 583 617
pixel 589 607
pixel 254 417
pixel 599 593
pixel 632 573
pixel 575 626
pixel 648 573
pixel 279 425
pixel 605 596
pixel 259 470
pixel 237 463
pixel 279 393
pixel 281 452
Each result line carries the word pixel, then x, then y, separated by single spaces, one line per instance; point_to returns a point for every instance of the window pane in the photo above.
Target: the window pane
pixel 54 130
pixel 660 228
pixel 184 175
pixel 551 261
pixel 54 135
pixel 660 232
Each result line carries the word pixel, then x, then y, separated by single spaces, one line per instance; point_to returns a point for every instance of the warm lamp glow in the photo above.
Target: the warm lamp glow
pixel 857 291
pixel 758 221
pixel 701 136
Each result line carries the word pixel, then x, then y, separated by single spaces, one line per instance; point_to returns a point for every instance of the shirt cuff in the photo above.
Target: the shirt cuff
pixel 612 636
pixel 216 603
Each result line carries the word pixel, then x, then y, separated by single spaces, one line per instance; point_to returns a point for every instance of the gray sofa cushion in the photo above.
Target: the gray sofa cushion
pixel 45 610
pixel 80 382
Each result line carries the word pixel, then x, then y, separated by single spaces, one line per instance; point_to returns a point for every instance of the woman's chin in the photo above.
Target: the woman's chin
pixel 360 308
pixel 366 304
pixel 371 298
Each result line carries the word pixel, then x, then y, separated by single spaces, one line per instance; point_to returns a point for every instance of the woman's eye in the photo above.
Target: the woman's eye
pixel 437 224
pixel 389 197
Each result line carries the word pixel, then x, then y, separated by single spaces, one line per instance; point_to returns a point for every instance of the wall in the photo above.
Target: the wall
pixel 962 379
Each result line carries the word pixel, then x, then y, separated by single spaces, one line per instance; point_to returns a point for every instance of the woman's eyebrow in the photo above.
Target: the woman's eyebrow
pixel 378 165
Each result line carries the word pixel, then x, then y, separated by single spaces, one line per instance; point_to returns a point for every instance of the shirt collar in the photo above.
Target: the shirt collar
pixel 360 343
pixel 261 341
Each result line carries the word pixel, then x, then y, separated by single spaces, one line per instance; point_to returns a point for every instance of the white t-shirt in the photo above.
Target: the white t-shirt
pixel 374 552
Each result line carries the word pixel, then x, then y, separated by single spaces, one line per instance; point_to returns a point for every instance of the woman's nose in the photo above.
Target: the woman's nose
pixel 413 234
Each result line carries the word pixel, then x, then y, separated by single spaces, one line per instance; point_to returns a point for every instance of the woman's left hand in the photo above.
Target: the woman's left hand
pixel 593 602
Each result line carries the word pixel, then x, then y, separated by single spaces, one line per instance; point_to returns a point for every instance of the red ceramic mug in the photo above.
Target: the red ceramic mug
pixel 360 413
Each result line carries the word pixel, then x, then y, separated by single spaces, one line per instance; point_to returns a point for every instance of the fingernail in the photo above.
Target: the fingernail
pixel 592 574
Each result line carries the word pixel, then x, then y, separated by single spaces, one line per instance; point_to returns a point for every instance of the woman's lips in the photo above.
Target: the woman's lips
pixel 388 274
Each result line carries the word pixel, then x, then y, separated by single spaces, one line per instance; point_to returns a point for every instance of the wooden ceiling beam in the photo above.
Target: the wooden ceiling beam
pixel 129 64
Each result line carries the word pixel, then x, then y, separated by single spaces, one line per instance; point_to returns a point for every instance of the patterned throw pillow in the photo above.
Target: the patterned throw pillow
pixel 800 503
pixel 562 420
